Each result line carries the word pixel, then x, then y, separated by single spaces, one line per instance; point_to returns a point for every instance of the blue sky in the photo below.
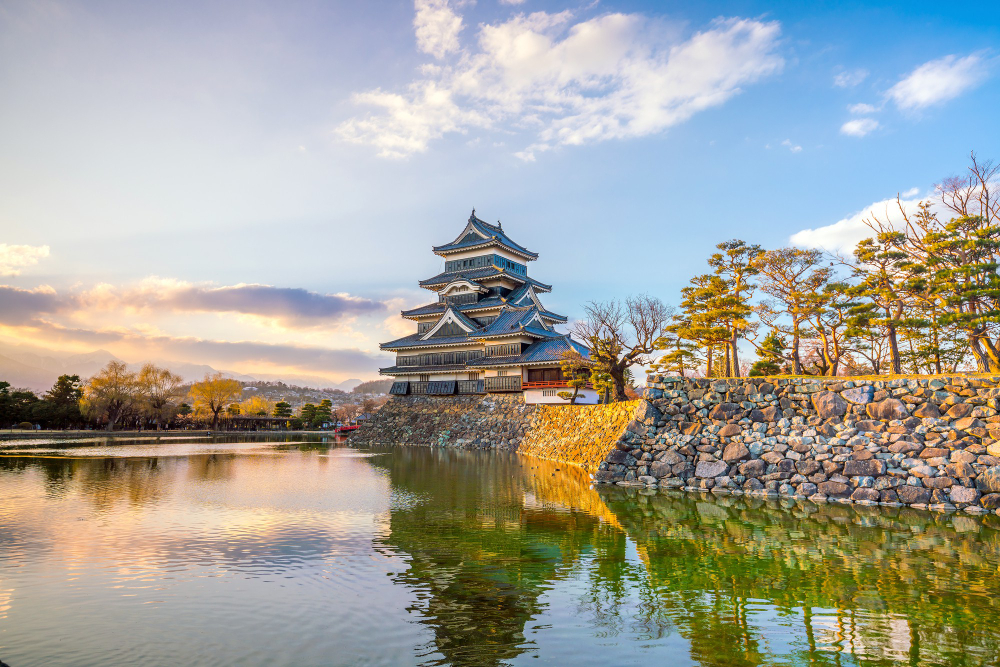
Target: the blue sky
pixel 257 185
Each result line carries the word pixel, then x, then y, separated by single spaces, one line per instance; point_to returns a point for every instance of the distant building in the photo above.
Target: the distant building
pixel 488 331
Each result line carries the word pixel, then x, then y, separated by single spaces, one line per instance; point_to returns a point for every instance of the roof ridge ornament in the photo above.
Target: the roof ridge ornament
pixel 472 218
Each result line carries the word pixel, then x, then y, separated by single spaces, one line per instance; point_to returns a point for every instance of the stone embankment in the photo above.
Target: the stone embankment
pixel 931 442
pixel 580 435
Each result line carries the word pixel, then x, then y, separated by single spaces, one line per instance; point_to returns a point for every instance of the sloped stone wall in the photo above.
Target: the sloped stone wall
pixel 921 442
pixel 580 435
pixel 495 421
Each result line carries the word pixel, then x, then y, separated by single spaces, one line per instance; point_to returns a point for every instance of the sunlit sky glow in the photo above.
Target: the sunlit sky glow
pixel 256 186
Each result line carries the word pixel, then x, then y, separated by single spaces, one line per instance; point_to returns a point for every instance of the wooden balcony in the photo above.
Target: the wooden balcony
pixel 503 383
pixel 471 387
pixel 560 384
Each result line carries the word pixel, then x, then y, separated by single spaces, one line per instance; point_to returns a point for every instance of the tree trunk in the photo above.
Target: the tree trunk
pixel 708 368
pixel 736 356
pixel 897 368
pixel 729 369
pixel 618 375
pixel 975 343
pixel 796 363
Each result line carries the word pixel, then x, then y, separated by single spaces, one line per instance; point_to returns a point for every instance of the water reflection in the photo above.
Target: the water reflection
pixel 438 556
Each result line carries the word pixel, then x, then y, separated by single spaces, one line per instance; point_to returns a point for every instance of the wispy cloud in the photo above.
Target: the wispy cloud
pixel 790 145
pixel 862 108
pixel 938 81
pixel 13 258
pixel 291 305
pixel 859 127
pixel 567 81
pixel 850 78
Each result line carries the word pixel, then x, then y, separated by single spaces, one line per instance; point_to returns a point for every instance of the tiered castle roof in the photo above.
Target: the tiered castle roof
pixel 487 301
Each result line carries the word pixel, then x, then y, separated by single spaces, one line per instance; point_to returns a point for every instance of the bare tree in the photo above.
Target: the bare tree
pixel 160 390
pixel 623 334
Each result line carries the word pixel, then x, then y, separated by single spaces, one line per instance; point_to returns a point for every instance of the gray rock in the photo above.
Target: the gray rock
pixel 734 452
pixel 725 411
pixel 887 410
pixel 871 467
pixel 829 405
pixel 713 469
pixel 753 468
pixel 927 411
pixel 912 495
pixel 865 494
pixel 988 480
pixel 963 495
pixel 859 395
pixel 834 489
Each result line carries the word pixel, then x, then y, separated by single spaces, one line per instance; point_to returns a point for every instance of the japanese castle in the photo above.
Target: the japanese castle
pixel 487 331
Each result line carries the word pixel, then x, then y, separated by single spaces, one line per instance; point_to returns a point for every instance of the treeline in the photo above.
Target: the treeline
pixel 920 299
pixel 155 398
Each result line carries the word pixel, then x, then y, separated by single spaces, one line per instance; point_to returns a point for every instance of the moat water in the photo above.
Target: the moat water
pixel 193 552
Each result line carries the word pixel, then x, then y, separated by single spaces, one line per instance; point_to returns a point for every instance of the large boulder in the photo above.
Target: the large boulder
pixel 927 410
pixel 729 430
pixel 868 468
pixel 725 411
pixel 829 405
pixel 988 480
pixel 616 456
pixel 963 495
pixel 753 468
pixel 769 414
pixel 711 469
pixel 865 494
pixel 859 395
pixel 734 452
pixel 835 489
pixel 912 495
pixel 659 469
pixel 888 410
pixel 967 423
pixel 960 410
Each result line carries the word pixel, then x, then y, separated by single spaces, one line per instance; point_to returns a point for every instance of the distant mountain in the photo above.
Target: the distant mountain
pixel 37 369
pixel 21 375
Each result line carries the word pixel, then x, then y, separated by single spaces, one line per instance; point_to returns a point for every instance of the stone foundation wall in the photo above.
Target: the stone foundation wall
pixel 495 421
pixel 580 435
pixel 920 442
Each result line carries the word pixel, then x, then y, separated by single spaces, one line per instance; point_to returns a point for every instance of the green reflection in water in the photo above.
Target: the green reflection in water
pixel 491 558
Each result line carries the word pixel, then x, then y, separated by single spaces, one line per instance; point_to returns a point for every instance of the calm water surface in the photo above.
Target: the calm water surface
pixel 193 552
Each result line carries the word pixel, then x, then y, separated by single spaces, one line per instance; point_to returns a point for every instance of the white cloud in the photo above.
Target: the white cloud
pixel 850 79
pixel 616 76
pixel 844 234
pixel 862 108
pixel 436 26
pixel 13 258
pixel 792 147
pixel 938 81
pixel 511 2
pixel 859 127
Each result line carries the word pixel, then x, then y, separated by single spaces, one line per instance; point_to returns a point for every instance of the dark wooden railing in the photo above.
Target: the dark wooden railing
pixel 438 358
pixel 455 299
pixel 471 387
pixel 419 387
pixel 503 383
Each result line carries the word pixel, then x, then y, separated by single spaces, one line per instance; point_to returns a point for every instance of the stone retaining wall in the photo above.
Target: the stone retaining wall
pixel 920 442
pixel 580 435
pixel 494 421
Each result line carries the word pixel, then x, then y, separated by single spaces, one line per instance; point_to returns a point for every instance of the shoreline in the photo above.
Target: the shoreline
pixel 6 436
